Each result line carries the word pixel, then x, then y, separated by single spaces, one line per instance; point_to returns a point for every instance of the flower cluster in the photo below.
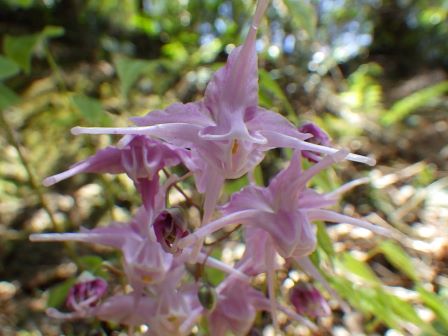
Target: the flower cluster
pixel 223 136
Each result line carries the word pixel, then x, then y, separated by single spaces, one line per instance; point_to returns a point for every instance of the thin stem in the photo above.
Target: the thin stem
pixel 31 177
pixel 271 290
pixel 220 239
pixel 201 233
pixel 179 189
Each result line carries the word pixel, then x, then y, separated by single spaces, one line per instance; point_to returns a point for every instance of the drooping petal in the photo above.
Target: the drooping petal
pixel 262 120
pixel 122 309
pixel 235 310
pixel 259 248
pixel 252 197
pixel 291 232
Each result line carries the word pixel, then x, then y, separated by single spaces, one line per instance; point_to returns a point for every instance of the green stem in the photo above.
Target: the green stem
pixel 12 138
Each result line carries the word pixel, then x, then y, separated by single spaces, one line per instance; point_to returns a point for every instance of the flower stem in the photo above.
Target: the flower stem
pixel 12 138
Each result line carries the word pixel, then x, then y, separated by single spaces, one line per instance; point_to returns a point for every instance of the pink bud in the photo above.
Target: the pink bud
pixel 86 294
pixel 319 137
pixel 307 300
pixel 169 228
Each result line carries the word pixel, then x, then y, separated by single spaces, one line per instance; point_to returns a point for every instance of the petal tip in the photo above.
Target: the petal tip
pixel 76 130
pixel 49 181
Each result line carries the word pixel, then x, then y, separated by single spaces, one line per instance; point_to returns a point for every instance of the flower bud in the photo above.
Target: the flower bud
pixel 319 137
pixel 207 296
pixel 169 228
pixel 86 294
pixel 307 300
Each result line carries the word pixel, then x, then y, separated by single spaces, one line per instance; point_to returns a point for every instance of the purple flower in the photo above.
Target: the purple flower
pixel 140 157
pixel 307 300
pixel 285 210
pixel 227 132
pixel 236 308
pixel 144 260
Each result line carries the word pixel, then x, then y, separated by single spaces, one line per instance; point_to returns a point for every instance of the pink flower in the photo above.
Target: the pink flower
pixel 237 306
pixel 285 210
pixel 227 132
pixel 144 260
pixel 236 309
pixel 140 157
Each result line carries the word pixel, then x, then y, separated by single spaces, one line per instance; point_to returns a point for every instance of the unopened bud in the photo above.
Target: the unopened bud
pixel 319 137
pixel 307 300
pixel 86 294
pixel 169 228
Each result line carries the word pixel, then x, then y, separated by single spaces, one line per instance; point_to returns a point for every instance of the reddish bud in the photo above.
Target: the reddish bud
pixel 307 300
pixel 86 294
pixel 169 228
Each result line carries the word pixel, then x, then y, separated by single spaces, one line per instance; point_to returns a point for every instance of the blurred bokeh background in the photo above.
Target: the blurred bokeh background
pixel 372 73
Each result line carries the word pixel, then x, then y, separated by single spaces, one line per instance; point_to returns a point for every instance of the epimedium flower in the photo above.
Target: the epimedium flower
pixel 227 132
pixel 285 209
pixel 139 156
pixel 235 309
pixel 164 313
pixel 144 259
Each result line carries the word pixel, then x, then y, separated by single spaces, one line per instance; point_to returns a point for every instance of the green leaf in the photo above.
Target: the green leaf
pixel 20 3
pixel 208 52
pixel 435 303
pixel 212 275
pixel 20 49
pixel 235 185
pixel 267 83
pixel 303 15
pixel 411 103
pixel 129 70
pixel 175 51
pixel 50 32
pixel 7 97
pixel 58 294
pixel 90 263
pixel 398 257
pixel 8 68
pixel 358 268
pixel 91 109
pixel 324 239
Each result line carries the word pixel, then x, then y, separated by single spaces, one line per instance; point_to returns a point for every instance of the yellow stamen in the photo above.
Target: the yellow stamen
pixel 235 146
pixel 147 278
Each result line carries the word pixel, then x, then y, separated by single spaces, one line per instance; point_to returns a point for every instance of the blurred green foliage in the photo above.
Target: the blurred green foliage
pixel 360 69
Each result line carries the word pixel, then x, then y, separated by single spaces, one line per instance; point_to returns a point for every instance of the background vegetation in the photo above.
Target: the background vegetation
pixel 373 73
